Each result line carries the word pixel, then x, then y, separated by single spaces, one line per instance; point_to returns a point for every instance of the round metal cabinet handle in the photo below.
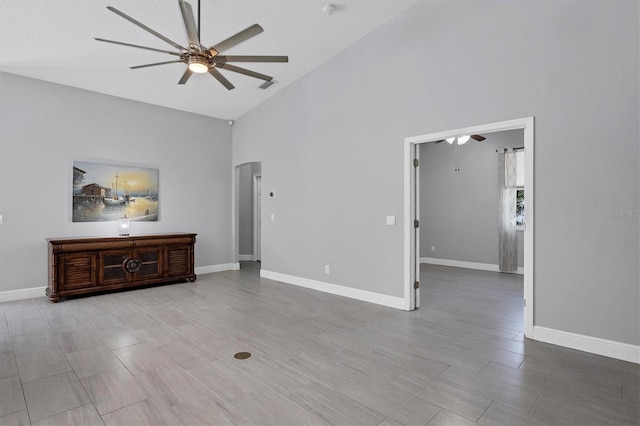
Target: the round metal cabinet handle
pixel 132 265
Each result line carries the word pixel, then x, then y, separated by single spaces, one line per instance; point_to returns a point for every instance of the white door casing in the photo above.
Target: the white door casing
pixel 257 219
pixel 411 213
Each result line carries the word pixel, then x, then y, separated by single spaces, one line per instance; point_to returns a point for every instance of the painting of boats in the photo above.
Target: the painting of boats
pixel 107 192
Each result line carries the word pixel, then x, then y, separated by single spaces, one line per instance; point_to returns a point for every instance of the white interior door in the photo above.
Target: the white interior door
pixel 416 228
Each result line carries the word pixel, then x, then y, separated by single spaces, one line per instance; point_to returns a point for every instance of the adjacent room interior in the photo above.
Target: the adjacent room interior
pixel 460 198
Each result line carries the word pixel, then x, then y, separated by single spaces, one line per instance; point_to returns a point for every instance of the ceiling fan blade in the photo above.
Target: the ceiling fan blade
pixel 226 83
pixel 252 58
pixel 245 71
pixel 153 65
pixel 190 25
pixel 478 138
pixel 185 76
pixel 441 140
pixel 243 35
pixel 135 45
pixel 144 27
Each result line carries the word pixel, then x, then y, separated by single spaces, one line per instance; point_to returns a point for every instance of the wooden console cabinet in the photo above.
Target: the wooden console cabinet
pixel 92 265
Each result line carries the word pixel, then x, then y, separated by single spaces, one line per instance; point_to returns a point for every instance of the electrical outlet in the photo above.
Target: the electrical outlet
pixel 0 219
pixel 433 248
pixel 327 270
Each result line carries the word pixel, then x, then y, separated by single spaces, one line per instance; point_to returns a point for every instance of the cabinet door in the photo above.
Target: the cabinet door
pixel 112 266
pixel 77 270
pixel 178 260
pixel 150 263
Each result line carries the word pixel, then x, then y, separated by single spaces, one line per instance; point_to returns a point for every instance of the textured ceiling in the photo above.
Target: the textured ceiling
pixel 52 40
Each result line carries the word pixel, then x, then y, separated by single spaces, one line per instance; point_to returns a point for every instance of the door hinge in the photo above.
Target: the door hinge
pixel 524 302
pixel 416 162
pixel 416 285
pixel 416 223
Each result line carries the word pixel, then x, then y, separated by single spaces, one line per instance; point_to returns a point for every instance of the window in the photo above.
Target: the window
pixel 520 211
pixel 520 208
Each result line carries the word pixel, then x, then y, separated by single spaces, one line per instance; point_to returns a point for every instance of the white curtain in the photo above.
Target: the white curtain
pixel 508 251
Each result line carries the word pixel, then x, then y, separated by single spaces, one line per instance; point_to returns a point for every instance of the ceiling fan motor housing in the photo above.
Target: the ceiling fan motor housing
pixel 198 63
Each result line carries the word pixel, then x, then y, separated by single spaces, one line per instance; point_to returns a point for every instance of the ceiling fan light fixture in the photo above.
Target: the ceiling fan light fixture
pixel 198 65
pixel 463 139
pixel 450 140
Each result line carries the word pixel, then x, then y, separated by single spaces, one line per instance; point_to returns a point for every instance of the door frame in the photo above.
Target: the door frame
pixel 257 202
pixel 411 201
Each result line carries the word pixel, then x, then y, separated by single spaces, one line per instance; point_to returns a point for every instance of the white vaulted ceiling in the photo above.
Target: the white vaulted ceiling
pixel 52 40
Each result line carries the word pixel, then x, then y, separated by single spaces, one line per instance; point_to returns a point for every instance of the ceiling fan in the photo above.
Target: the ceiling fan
pixel 457 141
pixel 463 139
pixel 201 59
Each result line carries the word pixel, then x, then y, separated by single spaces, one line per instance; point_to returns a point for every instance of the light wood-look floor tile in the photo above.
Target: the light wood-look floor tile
pixel 208 409
pixel 143 413
pixel 92 361
pixel 80 416
pixel 8 365
pixel 26 326
pixel 334 407
pixel 19 418
pixel 54 395
pixel 11 395
pixel 34 343
pixel 38 365
pixel 498 415
pixel 113 390
pixel 170 386
pixel 165 355
pixel 5 342
pixel 142 357
pixel 447 418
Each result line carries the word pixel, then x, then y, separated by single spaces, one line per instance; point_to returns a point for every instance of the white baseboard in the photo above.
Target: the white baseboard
pixel 353 293
pixel 245 257
pixel 217 268
pixel 595 345
pixel 25 293
pixel 468 265
pixel 30 293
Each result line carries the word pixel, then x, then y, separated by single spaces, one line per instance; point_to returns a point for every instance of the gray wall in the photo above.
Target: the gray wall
pixel 245 206
pixel 44 127
pixel 459 210
pixel 331 146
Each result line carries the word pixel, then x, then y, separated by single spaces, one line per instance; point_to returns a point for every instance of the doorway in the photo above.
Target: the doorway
pixel 248 212
pixel 412 209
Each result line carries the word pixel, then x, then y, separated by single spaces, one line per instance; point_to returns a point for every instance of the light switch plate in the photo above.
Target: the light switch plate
pixel 391 220
pixel 0 219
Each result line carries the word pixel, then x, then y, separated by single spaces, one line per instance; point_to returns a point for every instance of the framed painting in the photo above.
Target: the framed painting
pixel 108 192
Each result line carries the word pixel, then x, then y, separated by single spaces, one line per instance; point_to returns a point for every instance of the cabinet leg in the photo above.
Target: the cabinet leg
pixel 53 297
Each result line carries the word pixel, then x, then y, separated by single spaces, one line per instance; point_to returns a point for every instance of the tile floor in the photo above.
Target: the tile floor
pixel 164 355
